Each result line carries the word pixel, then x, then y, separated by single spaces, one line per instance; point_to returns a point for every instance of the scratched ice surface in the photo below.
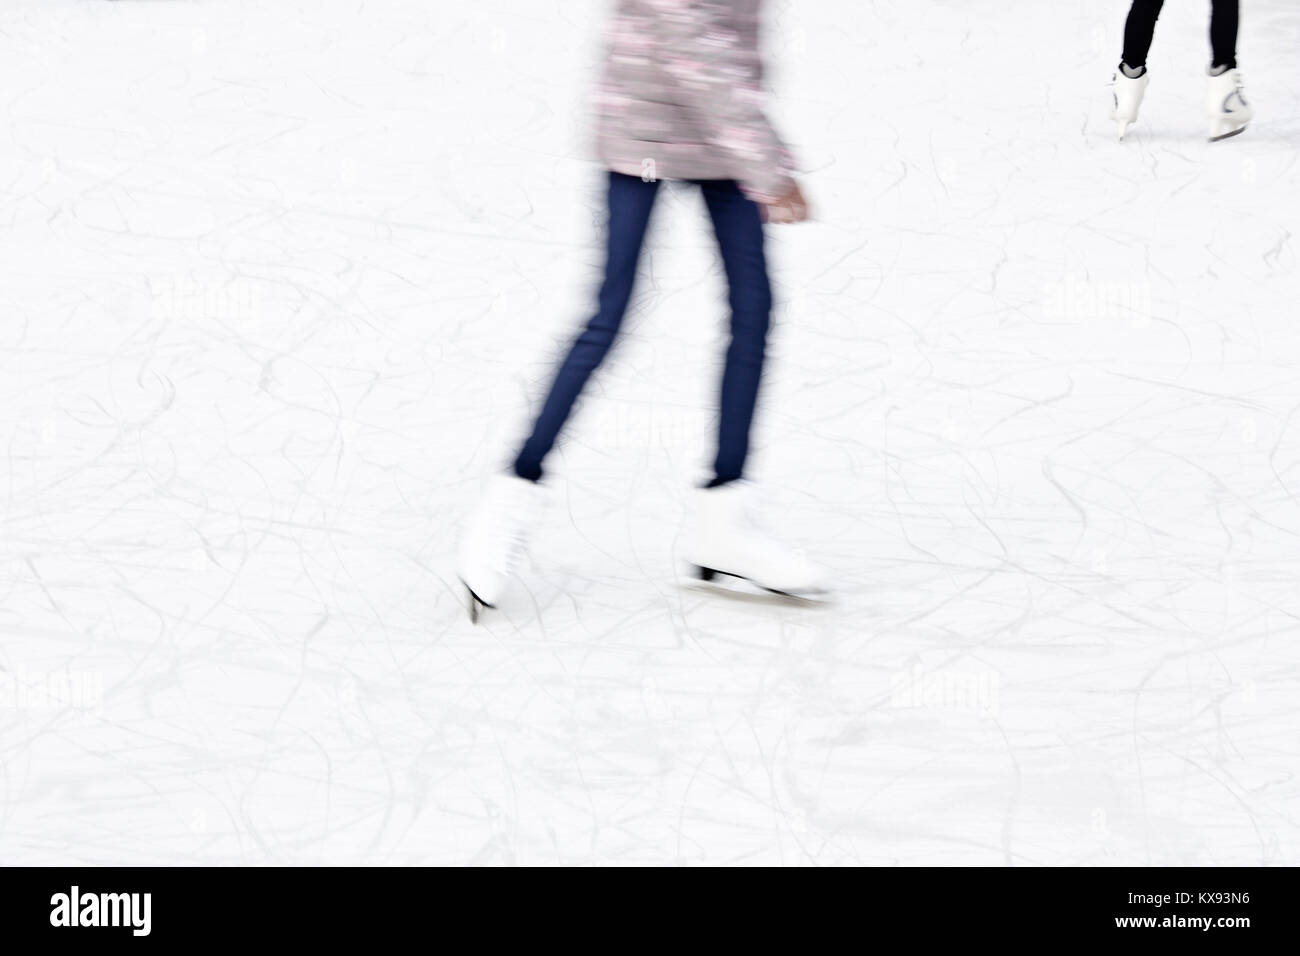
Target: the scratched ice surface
pixel 282 280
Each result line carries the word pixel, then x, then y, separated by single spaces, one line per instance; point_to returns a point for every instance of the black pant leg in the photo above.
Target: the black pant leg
pixel 1223 33
pixel 1139 28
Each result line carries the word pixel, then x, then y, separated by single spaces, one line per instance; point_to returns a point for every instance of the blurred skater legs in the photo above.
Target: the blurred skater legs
pixel 738 227
pixel 630 201
pixel 725 540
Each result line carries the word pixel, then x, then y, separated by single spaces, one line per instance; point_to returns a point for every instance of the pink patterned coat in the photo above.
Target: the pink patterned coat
pixel 681 96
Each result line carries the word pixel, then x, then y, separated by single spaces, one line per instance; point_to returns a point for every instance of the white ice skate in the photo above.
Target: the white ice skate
pixel 1127 93
pixel 494 538
pixel 726 540
pixel 1226 105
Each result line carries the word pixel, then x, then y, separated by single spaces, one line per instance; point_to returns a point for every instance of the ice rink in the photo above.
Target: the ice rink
pixel 281 282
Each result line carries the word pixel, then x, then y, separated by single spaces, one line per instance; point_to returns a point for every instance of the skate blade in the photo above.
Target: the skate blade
pixel 475 603
pixel 714 577
pixel 1228 135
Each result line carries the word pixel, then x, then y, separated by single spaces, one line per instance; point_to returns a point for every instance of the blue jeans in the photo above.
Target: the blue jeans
pixel 738 226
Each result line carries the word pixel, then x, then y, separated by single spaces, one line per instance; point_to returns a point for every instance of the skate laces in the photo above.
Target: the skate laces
pixel 752 509
pixel 505 523
pixel 502 531
pixel 1238 90
pixel 762 539
pixel 750 502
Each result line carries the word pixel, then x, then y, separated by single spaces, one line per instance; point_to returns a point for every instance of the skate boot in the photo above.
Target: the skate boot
pixel 726 541
pixel 1128 87
pixel 1226 105
pixel 494 537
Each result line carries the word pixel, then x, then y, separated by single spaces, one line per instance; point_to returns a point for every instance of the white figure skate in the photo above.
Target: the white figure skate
pixel 1127 93
pixel 1226 105
pixel 494 538
pixel 725 540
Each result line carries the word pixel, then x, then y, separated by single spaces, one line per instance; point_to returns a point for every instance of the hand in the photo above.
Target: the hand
pixel 790 207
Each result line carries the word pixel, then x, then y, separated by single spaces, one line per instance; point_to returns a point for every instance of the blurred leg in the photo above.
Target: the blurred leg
pixel 1223 33
pixel 1139 28
pixel 738 226
pixel 630 202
